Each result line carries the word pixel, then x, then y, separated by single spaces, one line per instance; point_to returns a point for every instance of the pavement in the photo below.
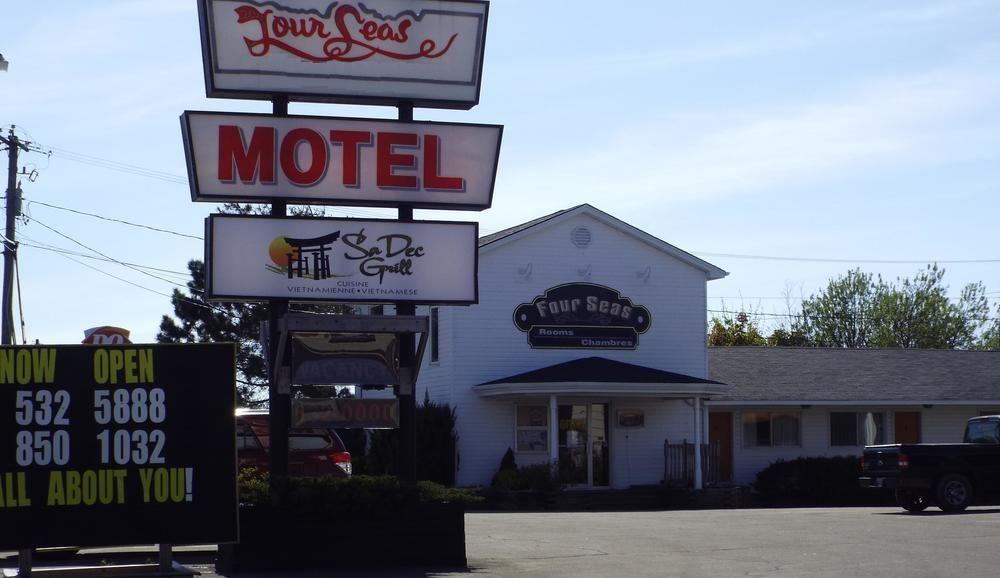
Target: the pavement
pixel 744 542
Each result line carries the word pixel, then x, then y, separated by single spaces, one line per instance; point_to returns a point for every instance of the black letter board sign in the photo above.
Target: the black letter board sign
pixel 115 445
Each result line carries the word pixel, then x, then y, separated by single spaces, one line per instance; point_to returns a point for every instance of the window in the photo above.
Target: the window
pixel 848 428
pixel 532 428
pixel 767 429
pixel 435 345
pixel 245 438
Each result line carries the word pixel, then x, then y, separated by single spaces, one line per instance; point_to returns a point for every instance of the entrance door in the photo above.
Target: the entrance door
pixel 720 431
pixel 583 445
pixel 907 429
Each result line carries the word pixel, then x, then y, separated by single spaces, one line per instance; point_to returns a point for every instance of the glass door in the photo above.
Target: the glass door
pixel 583 445
pixel 600 465
pixel 573 463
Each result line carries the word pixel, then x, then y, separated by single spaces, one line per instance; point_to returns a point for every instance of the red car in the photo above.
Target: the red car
pixel 311 452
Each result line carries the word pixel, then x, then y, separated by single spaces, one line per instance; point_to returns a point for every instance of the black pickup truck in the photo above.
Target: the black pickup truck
pixel 950 476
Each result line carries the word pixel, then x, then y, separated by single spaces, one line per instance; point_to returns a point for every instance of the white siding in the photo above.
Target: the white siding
pixel 480 343
pixel 939 424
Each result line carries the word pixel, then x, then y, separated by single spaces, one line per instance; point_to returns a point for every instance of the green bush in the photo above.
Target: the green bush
pixel 816 481
pixel 537 477
pixel 436 442
pixel 373 495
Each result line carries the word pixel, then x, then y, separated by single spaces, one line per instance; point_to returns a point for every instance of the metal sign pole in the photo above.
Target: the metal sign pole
pixel 24 563
pixel 166 557
pixel 279 394
pixel 407 395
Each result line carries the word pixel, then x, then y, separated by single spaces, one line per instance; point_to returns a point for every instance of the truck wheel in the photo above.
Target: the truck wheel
pixel 954 493
pixel 911 501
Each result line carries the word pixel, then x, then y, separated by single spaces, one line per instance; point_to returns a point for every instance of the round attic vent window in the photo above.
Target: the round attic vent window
pixel 580 237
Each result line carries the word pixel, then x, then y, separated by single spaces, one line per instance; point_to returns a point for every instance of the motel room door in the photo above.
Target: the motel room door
pixel 720 431
pixel 907 427
pixel 583 445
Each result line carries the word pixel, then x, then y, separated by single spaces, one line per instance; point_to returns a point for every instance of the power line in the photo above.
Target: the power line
pixel 151 290
pixel 122 263
pixel 824 317
pixel 866 261
pixel 46 247
pixel 117 166
pixel 122 221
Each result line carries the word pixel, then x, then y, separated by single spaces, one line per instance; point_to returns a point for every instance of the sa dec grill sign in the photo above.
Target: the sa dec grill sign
pixel 319 259
pixel 117 445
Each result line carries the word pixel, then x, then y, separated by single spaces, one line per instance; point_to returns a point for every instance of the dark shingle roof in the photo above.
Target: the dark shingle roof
pixel 487 239
pixel 599 370
pixel 826 374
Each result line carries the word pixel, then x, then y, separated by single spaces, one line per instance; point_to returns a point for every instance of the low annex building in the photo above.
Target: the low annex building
pixel 788 402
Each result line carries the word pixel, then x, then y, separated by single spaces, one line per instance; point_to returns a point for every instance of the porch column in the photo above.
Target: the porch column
pixel 553 430
pixel 697 443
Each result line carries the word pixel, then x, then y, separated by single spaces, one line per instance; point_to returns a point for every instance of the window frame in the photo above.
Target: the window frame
pixel 435 337
pixel 771 415
pixel 529 428
pixel 859 434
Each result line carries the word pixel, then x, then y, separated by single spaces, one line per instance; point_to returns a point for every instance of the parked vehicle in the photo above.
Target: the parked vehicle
pixel 950 476
pixel 311 452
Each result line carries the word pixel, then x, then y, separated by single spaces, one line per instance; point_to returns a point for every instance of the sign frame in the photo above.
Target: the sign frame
pixel 213 90
pixel 212 295
pixel 86 385
pixel 563 330
pixel 286 192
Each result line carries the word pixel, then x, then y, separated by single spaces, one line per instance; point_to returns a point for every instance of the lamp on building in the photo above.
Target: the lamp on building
pixel 3 64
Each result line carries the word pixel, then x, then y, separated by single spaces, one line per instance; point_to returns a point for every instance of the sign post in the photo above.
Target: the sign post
pixel 401 53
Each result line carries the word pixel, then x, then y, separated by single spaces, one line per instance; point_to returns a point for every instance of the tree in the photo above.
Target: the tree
pixel 788 337
pixel 199 322
pixel 734 330
pixel 990 339
pixel 843 314
pixel 861 310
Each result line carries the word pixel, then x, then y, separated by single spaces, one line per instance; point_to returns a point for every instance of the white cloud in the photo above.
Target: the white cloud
pixel 927 118
pixel 936 11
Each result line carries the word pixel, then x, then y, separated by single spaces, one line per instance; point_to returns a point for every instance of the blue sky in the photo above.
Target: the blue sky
pixel 849 131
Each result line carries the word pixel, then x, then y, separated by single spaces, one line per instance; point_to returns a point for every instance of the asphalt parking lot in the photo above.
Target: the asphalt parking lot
pixel 749 542
pixel 752 542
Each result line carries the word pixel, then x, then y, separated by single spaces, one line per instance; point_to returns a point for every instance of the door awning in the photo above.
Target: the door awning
pixel 601 376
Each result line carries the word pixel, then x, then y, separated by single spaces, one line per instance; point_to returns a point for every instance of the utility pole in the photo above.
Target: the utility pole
pixel 14 146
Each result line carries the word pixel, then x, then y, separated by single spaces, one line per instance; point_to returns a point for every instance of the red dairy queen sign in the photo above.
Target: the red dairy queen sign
pixel 347 161
pixel 346 51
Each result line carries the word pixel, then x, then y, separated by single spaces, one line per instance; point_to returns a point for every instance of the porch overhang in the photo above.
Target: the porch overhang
pixel 598 376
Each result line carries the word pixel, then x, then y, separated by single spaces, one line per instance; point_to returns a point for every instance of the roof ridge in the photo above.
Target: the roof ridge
pixel 487 239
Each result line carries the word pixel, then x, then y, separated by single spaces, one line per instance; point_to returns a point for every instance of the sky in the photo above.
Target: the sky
pixel 785 142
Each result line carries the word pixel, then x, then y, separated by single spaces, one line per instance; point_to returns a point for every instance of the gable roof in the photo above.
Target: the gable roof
pixel 599 375
pixel 761 375
pixel 501 237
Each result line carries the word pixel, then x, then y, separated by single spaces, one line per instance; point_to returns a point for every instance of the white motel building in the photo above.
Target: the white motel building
pixel 588 347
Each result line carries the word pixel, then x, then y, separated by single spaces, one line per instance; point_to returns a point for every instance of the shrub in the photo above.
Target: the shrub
pixel 815 481
pixel 436 442
pixel 536 477
pixel 370 495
